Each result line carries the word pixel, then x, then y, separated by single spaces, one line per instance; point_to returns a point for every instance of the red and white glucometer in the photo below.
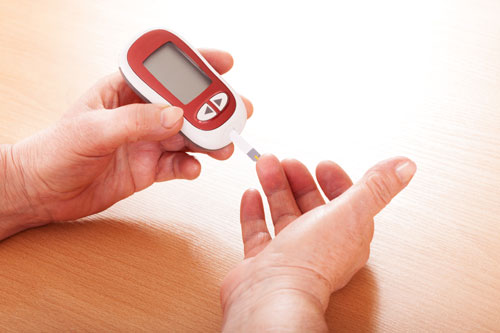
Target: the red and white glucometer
pixel 162 68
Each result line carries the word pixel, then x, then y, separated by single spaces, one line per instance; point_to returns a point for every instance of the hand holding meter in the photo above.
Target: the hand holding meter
pixel 162 68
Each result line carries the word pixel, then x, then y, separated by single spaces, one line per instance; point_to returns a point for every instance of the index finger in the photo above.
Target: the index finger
pixel 272 177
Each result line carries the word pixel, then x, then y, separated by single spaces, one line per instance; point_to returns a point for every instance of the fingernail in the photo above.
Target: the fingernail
pixel 405 170
pixel 170 116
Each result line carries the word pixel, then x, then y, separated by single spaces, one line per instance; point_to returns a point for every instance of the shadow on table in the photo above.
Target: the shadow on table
pixel 105 274
pixel 352 309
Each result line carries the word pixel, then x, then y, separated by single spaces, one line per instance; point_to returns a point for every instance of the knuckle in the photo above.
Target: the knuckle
pixel 257 238
pixel 379 185
pixel 137 124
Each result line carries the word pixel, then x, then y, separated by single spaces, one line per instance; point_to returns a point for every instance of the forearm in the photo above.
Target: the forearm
pixel 17 211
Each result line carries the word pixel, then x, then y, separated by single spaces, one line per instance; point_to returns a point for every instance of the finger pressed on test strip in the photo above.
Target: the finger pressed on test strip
pixel 244 146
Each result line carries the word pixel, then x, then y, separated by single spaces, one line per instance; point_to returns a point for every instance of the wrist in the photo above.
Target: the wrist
pixel 258 296
pixel 18 211
pixel 280 311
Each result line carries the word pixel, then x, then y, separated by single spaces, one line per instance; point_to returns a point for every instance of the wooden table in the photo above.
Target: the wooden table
pixel 351 81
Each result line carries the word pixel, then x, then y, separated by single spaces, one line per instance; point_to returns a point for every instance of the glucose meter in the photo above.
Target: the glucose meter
pixel 162 68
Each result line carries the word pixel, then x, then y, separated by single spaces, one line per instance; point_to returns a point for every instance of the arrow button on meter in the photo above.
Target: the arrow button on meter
pixel 206 113
pixel 219 100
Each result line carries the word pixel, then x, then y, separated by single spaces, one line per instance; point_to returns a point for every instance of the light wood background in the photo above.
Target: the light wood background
pixel 353 81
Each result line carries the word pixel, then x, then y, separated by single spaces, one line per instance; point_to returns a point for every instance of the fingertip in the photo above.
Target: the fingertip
pixel 267 164
pixel 223 153
pixel 229 60
pixel 254 230
pixel 171 117
pixel 248 106
pixel 325 166
pixel 332 179
pixel 271 174
pixel 252 207
pixel 251 194
pixel 325 163
pixel 225 58
pixel 403 167
pixel 291 162
pixel 405 170
pixel 266 160
pixel 222 61
pixel 296 172
pixel 190 167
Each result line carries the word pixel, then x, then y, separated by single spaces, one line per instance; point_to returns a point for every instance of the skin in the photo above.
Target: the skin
pixel 111 145
pixel 108 146
pixel 284 284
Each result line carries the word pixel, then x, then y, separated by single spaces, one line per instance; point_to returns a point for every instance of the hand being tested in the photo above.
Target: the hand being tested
pixel 284 284
pixel 105 148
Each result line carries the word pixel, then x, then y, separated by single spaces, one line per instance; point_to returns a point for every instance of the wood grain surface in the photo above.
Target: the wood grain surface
pixel 355 82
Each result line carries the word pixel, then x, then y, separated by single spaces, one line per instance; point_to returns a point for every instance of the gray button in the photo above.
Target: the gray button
pixel 206 113
pixel 219 100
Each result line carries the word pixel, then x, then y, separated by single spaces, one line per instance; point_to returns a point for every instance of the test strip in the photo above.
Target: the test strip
pixel 244 146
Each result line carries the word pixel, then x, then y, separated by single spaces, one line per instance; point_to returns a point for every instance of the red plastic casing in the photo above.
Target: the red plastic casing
pixel 146 45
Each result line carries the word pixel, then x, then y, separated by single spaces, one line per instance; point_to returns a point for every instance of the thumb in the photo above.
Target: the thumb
pixel 379 185
pixel 130 123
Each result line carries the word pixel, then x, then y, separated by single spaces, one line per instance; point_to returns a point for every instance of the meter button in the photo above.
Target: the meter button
pixel 206 113
pixel 219 100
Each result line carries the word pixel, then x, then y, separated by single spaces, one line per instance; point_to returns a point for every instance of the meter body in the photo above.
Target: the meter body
pixel 163 68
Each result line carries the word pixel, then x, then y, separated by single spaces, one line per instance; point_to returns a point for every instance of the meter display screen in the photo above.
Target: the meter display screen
pixel 177 73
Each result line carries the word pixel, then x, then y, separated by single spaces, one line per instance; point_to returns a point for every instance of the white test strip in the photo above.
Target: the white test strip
pixel 244 146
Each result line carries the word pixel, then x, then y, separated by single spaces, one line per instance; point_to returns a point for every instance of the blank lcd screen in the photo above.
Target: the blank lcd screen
pixel 177 73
